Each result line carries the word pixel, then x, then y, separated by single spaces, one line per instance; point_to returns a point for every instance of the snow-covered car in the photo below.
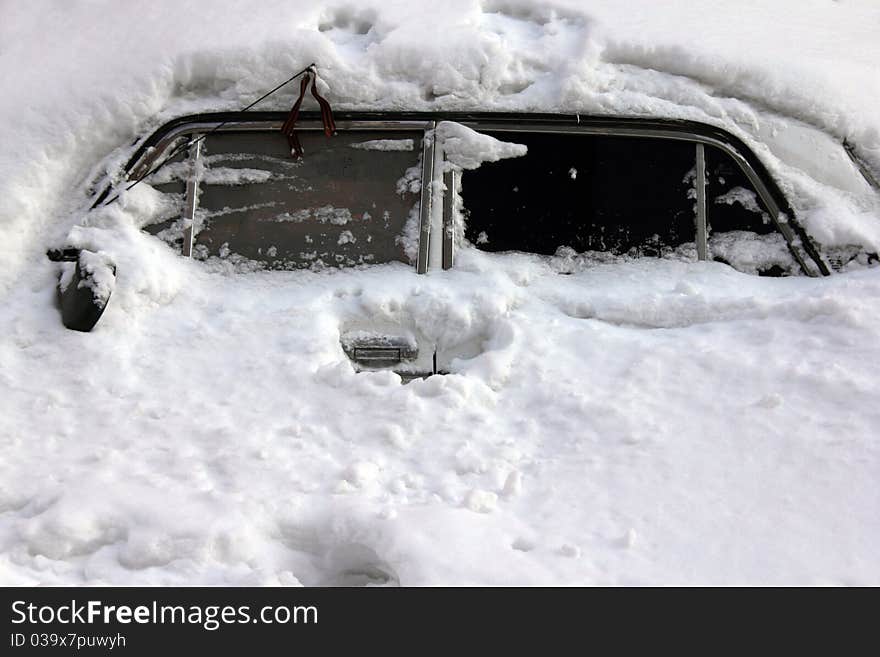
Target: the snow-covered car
pixel 416 188
pixel 513 199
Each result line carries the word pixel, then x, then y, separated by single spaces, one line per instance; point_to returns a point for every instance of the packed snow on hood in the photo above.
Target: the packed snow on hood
pixel 635 421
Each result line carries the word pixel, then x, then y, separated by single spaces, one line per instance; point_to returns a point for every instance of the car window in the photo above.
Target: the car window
pixel 732 202
pixel 345 203
pixel 586 192
pixel 374 193
pixel 171 182
pixel 620 195
pixel 740 230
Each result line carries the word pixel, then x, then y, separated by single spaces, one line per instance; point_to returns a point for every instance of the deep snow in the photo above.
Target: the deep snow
pixel 646 421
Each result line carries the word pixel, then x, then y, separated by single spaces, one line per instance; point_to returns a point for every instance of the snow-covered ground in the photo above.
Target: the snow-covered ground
pixel 648 421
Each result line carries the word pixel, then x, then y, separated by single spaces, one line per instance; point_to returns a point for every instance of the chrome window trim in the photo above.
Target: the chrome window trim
pixel 861 165
pixel 192 200
pixel 425 201
pixel 779 218
pixel 437 200
pixel 702 232
pixel 451 179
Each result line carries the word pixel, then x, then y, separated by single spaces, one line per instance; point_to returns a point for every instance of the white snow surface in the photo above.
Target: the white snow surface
pixel 639 422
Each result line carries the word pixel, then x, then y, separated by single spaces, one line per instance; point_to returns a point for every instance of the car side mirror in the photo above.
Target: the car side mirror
pixel 85 289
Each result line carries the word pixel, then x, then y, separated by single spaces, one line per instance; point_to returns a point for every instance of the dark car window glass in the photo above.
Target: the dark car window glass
pixel 732 203
pixel 344 203
pixel 590 193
